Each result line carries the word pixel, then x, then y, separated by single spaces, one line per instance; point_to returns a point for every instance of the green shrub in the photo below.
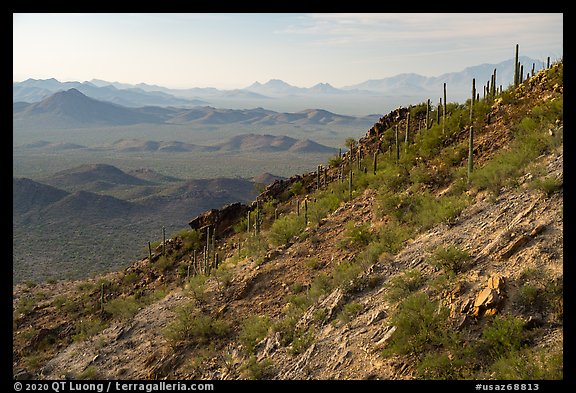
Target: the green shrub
pixel 253 369
pixel 122 308
pixel 190 238
pixel 504 335
pixel 321 285
pixel 335 161
pixel 312 263
pixel 420 326
pixel 442 366
pixel 189 326
pixel 392 236
pixel 130 278
pixel 529 364
pixel 252 331
pixel 196 287
pixel 296 188
pixel 164 263
pixel 223 276
pixel 325 204
pixel 548 185
pixel 345 276
pixel 91 372
pixel 356 235
pixel 350 311
pixel 301 340
pixel 450 259
pixel 539 293
pixel 285 228
pixel 422 210
pixel 404 284
pixel 86 328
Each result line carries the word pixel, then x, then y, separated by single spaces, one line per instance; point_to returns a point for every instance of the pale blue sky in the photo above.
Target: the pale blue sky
pixel 235 50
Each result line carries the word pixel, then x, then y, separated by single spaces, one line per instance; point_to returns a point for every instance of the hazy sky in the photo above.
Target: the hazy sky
pixel 235 50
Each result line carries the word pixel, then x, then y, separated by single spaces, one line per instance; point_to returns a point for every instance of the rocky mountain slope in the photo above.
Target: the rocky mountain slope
pixel 416 268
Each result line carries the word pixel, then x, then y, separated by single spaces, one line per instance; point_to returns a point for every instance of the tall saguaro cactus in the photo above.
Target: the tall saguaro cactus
pixel 350 185
pixel 444 111
pixel 406 135
pixel 163 241
pixel 471 137
pixel 516 68
pixel 428 113
pixel 397 145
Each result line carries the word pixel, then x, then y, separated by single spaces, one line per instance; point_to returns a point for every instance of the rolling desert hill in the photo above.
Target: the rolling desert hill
pixel 30 195
pixel 89 203
pixel 85 174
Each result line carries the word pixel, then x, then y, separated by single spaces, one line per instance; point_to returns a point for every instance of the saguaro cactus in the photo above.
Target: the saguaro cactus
pixel 493 92
pixel 102 299
pixel 471 137
pixel 163 241
pixel 444 112
pixel 516 68
pixel 350 185
pixel 397 146
pixel 375 163
pixel 406 135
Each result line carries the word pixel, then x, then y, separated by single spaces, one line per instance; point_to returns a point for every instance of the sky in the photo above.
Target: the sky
pixel 229 51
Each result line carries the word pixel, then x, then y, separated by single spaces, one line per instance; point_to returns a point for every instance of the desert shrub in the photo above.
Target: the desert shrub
pixel 188 326
pixel 252 331
pixel 531 139
pixel 190 238
pixel 404 284
pixel 539 293
pixel 421 210
pixel 450 259
pixel 392 236
pixel 86 328
pixel 325 204
pixel 122 308
pixel 356 235
pixel 285 228
pixel 130 278
pixel 321 285
pixel 345 276
pixel 254 369
pixel 529 364
pixel 223 276
pixel 301 340
pixel 350 310
pixel 196 287
pixel 443 366
pixel 548 185
pixel 503 335
pixel 164 263
pixel 312 263
pixel 91 372
pixel 333 162
pixel 420 326
pixel 296 188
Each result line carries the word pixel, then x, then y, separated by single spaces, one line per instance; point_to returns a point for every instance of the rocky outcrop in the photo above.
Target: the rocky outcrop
pixel 221 220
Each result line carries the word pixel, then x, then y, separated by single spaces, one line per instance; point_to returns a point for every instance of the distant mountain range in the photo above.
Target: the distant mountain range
pixel 371 96
pixel 73 109
pixel 244 143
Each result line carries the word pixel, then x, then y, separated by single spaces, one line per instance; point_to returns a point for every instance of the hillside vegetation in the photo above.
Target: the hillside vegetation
pixel 418 266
